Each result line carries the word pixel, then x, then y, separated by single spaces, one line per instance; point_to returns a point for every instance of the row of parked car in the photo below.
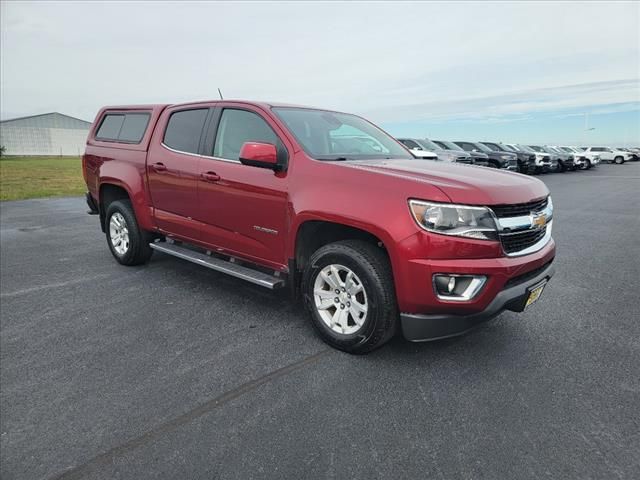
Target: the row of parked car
pixel 530 159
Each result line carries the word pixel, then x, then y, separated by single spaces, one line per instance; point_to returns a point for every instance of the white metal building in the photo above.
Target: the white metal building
pixel 46 134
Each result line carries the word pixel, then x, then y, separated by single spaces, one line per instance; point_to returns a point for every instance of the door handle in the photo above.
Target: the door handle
pixel 210 177
pixel 159 167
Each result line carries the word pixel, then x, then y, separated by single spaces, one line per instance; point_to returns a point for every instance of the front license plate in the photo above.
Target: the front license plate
pixel 535 293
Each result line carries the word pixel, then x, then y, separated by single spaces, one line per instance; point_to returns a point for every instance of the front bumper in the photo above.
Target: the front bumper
pixel 424 328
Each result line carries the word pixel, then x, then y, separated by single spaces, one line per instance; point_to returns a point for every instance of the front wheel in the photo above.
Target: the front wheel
pixel 128 244
pixel 618 160
pixel 349 292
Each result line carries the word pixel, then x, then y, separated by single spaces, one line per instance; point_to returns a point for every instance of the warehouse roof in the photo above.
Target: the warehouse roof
pixel 51 119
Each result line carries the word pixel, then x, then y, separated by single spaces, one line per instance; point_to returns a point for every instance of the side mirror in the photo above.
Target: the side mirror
pixel 263 155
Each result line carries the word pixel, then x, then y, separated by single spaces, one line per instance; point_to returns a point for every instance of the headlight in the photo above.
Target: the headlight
pixel 457 220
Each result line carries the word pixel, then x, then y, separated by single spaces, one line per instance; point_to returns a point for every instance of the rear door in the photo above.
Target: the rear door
pixel 243 208
pixel 173 170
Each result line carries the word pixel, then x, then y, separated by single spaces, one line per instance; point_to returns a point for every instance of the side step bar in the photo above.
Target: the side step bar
pixel 250 275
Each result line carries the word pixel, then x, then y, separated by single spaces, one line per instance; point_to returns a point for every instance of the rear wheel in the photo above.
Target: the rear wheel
pixel 618 160
pixel 128 244
pixel 348 290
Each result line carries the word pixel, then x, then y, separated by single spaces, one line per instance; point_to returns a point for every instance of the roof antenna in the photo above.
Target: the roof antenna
pixel 220 93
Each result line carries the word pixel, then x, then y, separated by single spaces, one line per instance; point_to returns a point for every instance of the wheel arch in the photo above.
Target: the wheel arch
pixel 313 233
pixel 111 190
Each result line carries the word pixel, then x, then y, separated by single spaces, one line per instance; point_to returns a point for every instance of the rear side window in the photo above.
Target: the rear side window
pixel 236 128
pixel 123 127
pixel 185 129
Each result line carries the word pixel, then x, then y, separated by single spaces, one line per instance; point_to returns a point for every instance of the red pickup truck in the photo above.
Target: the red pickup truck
pixel 327 205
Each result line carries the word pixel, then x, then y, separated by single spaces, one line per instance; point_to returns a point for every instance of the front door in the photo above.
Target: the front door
pixel 173 169
pixel 243 209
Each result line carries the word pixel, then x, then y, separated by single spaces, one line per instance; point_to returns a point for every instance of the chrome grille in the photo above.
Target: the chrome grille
pixel 524 227
pixel 515 242
pixel 519 209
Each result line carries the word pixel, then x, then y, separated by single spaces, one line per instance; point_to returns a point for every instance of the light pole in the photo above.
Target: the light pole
pixel 586 128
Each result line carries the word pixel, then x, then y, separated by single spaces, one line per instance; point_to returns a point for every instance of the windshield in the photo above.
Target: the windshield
pixel 523 148
pixel 549 150
pixel 535 148
pixel 482 147
pixel 447 145
pixel 493 146
pixel 509 148
pixel 328 135
pixel 429 145
pixel 567 149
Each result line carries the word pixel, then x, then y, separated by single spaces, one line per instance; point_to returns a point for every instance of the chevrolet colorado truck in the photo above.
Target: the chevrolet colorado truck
pixel 372 240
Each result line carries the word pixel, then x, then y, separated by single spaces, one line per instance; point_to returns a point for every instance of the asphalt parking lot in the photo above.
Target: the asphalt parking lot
pixel 174 371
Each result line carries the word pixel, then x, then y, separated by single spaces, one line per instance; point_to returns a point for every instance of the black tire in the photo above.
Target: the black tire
pixel 138 251
pixel 588 167
pixel 618 160
pixel 493 164
pixel 371 265
pixel 561 167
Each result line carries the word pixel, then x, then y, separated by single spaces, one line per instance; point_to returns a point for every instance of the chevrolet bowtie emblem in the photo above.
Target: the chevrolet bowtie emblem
pixel 538 221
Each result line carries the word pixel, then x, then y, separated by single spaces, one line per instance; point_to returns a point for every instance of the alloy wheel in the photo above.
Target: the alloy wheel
pixel 340 299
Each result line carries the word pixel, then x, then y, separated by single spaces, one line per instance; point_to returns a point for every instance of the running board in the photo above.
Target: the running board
pixel 230 268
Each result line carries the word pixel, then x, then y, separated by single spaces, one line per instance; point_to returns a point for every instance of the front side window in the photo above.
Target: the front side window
pixel 238 127
pixel 328 135
pixel 184 130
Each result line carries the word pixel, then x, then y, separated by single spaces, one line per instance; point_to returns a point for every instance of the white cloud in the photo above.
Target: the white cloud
pixel 389 60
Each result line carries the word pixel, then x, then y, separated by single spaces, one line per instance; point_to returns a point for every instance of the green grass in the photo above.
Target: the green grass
pixel 37 177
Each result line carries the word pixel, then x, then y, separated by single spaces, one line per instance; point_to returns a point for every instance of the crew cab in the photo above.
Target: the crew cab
pixel 372 240
pixel 497 158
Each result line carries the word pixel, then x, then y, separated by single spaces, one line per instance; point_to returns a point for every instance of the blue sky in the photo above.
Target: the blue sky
pixel 610 124
pixel 512 71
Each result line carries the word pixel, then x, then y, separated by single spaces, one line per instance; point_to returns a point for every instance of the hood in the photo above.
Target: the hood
pixel 463 184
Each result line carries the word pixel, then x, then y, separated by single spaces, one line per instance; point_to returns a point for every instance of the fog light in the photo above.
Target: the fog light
pixel 459 288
